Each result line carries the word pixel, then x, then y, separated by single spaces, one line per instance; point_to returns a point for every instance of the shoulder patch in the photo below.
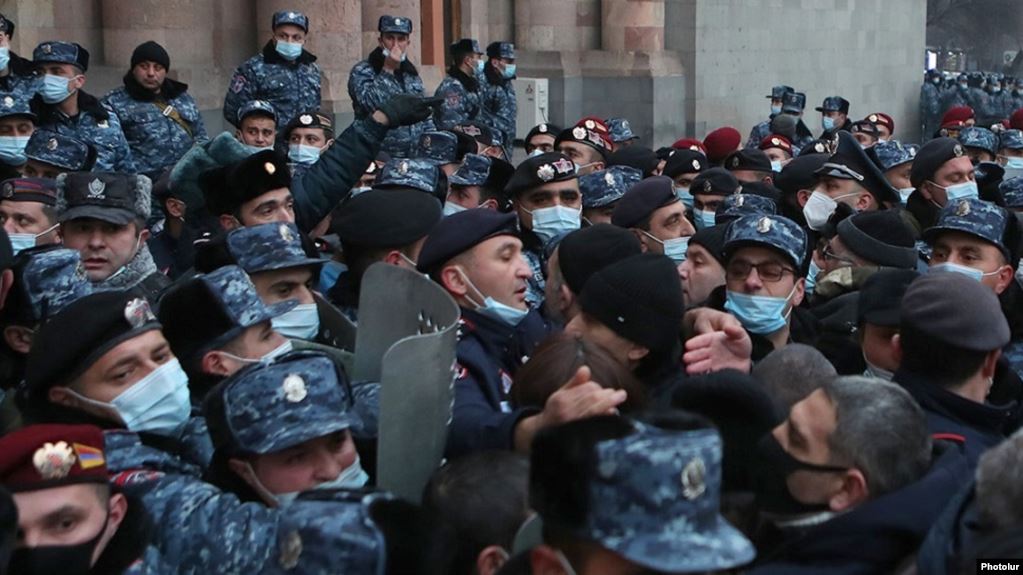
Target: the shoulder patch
pixel 135 477
pixel 453 99
pixel 237 83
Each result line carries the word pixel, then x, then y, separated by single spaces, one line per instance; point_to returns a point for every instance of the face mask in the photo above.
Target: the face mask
pixel 684 196
pixel 1014 163
pixel 511 316
pixel 580 167
pixel 55 89
pixel 774 465
pixel 828 122
pixel 776 166
pixel 5 58
pixel 360 190
pixel 21 242
pixel 352 477
pixel 963 87
pixel 302 154
pixel 509 71
pixel 270 356
pixel 388 53
pixel 904 194
pixel 875 371
pixel 949 267
pixel 775 110
pixel 811 278
pixel 451 208
pixel 674 248
pixel 158 403
pixel 64 559
pixel 12 149
pixel 704 218
pixel 301 322
pixel 964 191
pixel 535 153
pixel 549 222
pixel 289 50
pixel 256 149
pixel 479 66
pixel 759 314
pixel 996 90
pixel 818 209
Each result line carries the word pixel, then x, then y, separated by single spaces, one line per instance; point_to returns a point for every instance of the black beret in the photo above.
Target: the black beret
pixel 748 159
pixel 460 232
pixel 386 218
pixel 881 297
pixel 762 189
pixel 642 199
pixel 850 162
pixel 640 157
pixel 712 239
pixel 716 181
pixel 819 146
pixel 74 339
pixel 311 119
pixel 880 237
pixel 540 170
pixel 543 129
pixel 930 158
pixel 584 252
pixel 685 162
pixel 800 173
pixel 639 298
pixel 955 310
pixel 228 187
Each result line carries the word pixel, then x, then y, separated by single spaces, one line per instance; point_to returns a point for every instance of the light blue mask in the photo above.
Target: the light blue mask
pixel 479 66
pixel 157 403
pixel 289 50
pixel 949 267
pixel 904 194
pixel 353 477
pixel 388 53
pixel 776 166
pixel 54 89
pixel 256 149
pixel 550 222
pixel 811 277
pixel 5 58
pixel 506 314
pixel 360 190
pixel 1014 163
pixel 302 154
pixel 674 248
pixel 300 322
pixel 759 314
pixel 536 152
pixel 329 274
pixel 451 208
pixel 704 219
pixel 509 71
pixel 12 150
pixel 964 191
pixel 775 110
pixel 20 242
pixel 828 122
pixel 684 196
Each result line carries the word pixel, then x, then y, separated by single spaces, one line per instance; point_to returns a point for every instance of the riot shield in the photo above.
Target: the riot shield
pixel 336 330
pixel 406 339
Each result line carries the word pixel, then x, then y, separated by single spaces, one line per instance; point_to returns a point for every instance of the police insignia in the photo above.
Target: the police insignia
pixel 8 190
pixel 238 83
pixel 306 119
pixel 609 179
pixel 471 131
pixel 958 151
pixel 397 21
pixel 872 117
pixel 545 172
pixel 294 388
pixel 693 478
pixel 578 133
pixel 453 99
pixel 427 142
pixel 285 232
pixel 625 125
pixel 707 186
pixel 52 144
pixel 103 124
pixel 819 148
pixel 269 168
pixel 735 162
pixel 291 550
pixel 88 456
pixel 542 129
pixel 739 200
pixel 764 225
pixel 696 164
pixel 564 166
pixel 775 142
pixel 8 101
pixel 137 313
pixel 53 460
pixel 96 189
pixel 590 124
pixel 963 209
pixel 403 168
pixel 47 49
pixel 912 152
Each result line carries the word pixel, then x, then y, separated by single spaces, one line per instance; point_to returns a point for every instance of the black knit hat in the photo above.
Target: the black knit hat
pixel 150 52
pixel 881 237
pixel 713 240
pixel 639 298
pixel 584 252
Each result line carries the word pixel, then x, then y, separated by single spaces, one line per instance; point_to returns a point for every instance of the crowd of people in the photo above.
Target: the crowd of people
pixel 801 353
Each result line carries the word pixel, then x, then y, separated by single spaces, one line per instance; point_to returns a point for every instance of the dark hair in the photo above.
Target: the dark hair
pixel 945 365
pixel 410 539
pixel 483 498
pixel 557 359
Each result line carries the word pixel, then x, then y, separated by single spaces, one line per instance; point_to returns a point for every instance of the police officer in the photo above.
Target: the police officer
pixel 930 103
pixel 308 135
pixel 654 213
pixel 682 167
pixel 763 129
pixel 102 216
pixel 896 161
pixel 587 144
pixel 27 212
pixel 284 74
pixel 257 126
pixel 421 175
pixel 476 257
pixel 942 173
pixel 384 74
pixel 442 148
pixel 541 137
pixel 461 90
pixel 980 144
pixel 709 189
pixel 17 74
pixel 160 119
pixel 63 107
pixel 957 94
pixel 17 122
pixel 498 106
pixel 466 186
pixel 602 190
pixel 49 154
pixel 834 116
pixel 622 135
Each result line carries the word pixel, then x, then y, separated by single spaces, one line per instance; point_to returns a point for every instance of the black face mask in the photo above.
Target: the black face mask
pixel 774 465
pixel 64 559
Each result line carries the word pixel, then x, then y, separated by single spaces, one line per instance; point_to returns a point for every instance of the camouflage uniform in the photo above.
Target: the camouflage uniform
pixel 980 138
pixel 955 96
pixel 159 128
pixel 498 106
pixel 736 206
pixel 67 153
pixel 50 278
pixel 605 187
pixel 422 175
pixel 94 125
pixel 462 93
pixel 438 147
pixel 291 87
pixel 930 108
pixel 473 172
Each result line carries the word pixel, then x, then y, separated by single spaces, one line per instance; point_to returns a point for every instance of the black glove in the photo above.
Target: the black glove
pixel 407 109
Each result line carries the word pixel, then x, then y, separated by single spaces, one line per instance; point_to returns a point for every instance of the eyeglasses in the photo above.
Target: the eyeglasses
pixel 829 254
pixel 770 272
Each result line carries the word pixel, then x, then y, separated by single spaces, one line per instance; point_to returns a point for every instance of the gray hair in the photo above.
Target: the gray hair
pixel 880 430
pixel 1000 484
pixel 792 373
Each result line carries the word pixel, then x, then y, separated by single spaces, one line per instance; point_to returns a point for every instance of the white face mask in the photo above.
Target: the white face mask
pixel 904 194
pixel 270 356
pixel 819 207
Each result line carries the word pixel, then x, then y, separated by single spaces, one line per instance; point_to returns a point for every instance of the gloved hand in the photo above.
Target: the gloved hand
pixel 407 109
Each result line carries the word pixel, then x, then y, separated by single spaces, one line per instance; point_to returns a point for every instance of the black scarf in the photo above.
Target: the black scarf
pixel 169 90
pixel 270 56
pixel 470 82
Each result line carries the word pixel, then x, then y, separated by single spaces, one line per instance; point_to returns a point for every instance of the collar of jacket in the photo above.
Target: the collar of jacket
pixel 494 76
pixel 50 113
pixel 270 56
pixel 983 417
pixel 376 61
pixel 169 90
pixel 470 82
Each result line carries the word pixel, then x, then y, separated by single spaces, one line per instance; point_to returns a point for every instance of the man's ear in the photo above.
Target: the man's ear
pixel 1005 276
pixel 453 280
pixel 490 204
pixel 990 364
pixel 853 492
pixel 897 348
pixel 641 237
pixel 491 559
pixel 637 352
pixel 18 338
pixel 213 363
pixel 803 196
pixel 229 222
pixel 393 258
pixel 544 560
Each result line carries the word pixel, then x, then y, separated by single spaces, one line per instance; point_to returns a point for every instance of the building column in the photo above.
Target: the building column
pixel 632 25
pixel 557 25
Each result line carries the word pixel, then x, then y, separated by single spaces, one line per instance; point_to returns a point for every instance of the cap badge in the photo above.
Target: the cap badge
pixel 578 133
pixel 625 125
pixel 291 550
pixel 963 209
pixel 739 200
pixel 403 168
pixel 270 168
pixel 294 388
pixel 54 460
pixel 427 142
pixel 590 124
pixel 764 225
pixel 96 189
pixel 8 190
pixel 397 21
pixel 542 128
pixel 775 142
pixel 736 161
pixel 285 232
pixel 609 179
pixel 137 313
pixel 693 477
pixel 471 130
pixel 872 117
pixel 819 147
pixel 545 172
pixel 912 152
pixel 564 166
pixel 8 102
pixel 958 151
pixel 292 15
pixel 47 49
pixel 103 124
pixel 306 119
pixel 707 186
pixel 52 144
pixel 696 164
pixel 695 148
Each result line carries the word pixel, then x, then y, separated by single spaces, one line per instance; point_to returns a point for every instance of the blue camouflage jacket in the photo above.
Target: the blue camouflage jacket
pixel 94 124
pixel 369 86
pixel 292 87
pixel 22 78
pixel 462 98
pixel 156 137
pixel 498 107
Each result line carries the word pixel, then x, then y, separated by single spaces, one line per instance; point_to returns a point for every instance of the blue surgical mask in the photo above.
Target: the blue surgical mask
pixel 256 149
pixel 270 356
pixel 775 110
pixel 289 50
pixel 451 208
pixel 704 218
pixel 388 53
pixel 5 58
pixel 54 89
pixel 329 274
pixel 684 196
pixel 904 194
pixel 759 314
pixel 811 277
pixel 352 477
pixel 506 314
pixel 20 242
pixel 1014 163
pixel 302 154
pixel 776 165
pixel 479 66
pixel 949 267
pixel 964 191
pixel 12 150
pixel 828 122
pixel 536 152
pixel 300 322
pixel 509 71
pixel 550 222
pixel 674 248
